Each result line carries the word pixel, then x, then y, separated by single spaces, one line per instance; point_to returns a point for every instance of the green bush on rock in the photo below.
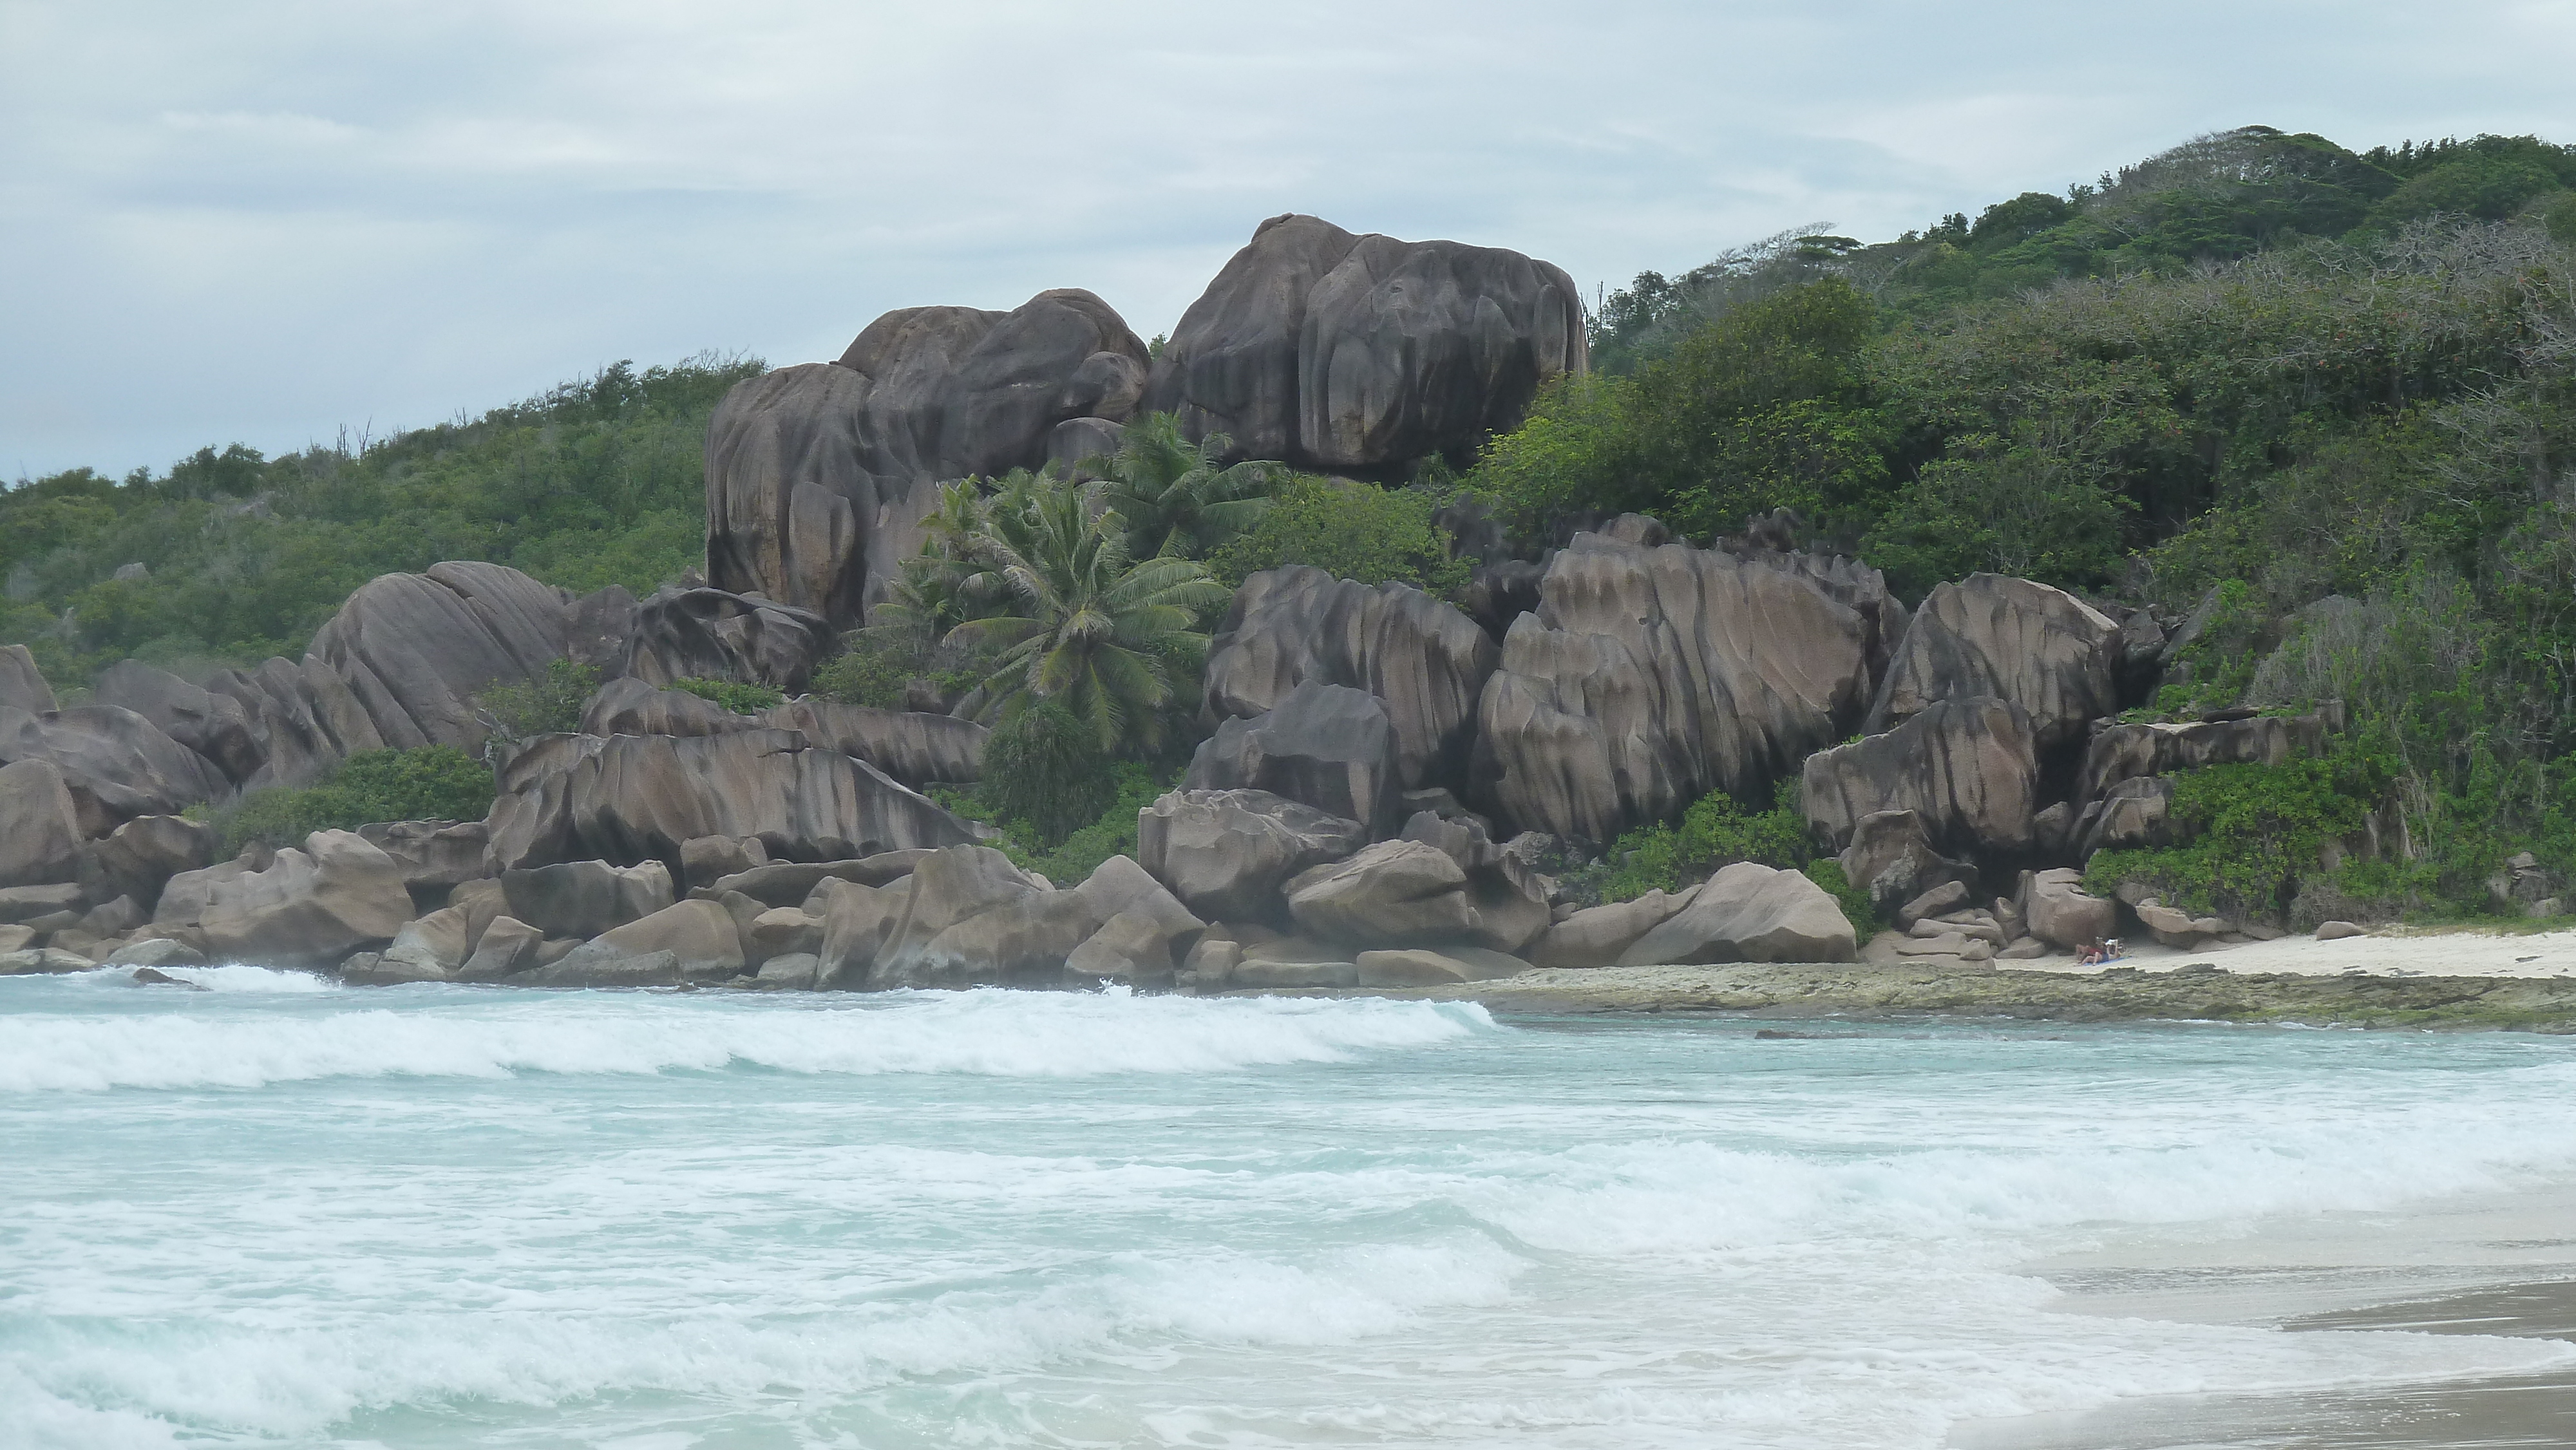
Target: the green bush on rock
pixel 431 782
pixel 1351 530
pixel 740 698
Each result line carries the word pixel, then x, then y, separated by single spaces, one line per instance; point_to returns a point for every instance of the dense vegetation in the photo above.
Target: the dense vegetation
pixel 430 783
pixel 2321 402
pixel 595 482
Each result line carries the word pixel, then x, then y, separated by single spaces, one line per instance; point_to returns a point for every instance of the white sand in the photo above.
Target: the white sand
pixel 2387 952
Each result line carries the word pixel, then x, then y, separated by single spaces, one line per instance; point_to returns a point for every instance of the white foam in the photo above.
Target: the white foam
pixel 482 1035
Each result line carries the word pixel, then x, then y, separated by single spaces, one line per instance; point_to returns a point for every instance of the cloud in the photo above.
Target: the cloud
pixel 262 220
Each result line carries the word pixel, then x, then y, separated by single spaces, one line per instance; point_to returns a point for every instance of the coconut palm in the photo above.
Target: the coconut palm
pixel 1087 626
pixel 1179 497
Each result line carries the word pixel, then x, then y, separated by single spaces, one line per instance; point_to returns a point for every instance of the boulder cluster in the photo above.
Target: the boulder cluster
pixel 1390 792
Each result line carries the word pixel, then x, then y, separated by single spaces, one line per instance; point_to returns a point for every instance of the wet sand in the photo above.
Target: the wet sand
pixel 2504 1266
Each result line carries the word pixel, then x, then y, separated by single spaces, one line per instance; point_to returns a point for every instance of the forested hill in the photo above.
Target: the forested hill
pixel 596 482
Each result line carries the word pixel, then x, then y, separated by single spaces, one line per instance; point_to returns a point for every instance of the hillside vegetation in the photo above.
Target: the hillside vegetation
pixel 595 482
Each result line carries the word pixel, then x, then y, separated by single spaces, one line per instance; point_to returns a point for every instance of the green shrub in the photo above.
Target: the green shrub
pixel 1045 774
pixel 1133 786
pixel 549 705
pixel 867 673
pixel 432 782
pixel 2249 833
pixel 740 698
pixel 1353 530
pixel 1714 832
pixel 1858 909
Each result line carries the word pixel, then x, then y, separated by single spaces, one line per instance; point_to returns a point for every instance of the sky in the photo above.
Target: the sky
pixel 267 222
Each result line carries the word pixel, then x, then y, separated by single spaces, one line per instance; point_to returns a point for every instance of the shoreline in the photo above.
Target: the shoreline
pixel 2453 980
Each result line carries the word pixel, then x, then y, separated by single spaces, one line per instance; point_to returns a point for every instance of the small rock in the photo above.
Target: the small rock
pixel 147 977
pixel 1948 896
pixel 2338 930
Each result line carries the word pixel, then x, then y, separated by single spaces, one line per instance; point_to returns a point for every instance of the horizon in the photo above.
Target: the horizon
pixel 319 222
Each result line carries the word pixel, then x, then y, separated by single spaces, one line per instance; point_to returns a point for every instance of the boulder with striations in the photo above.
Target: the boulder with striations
pixel 1423 659
pixel 307 908
pixel 1327 746
pixel 1966 767
pixel 709 634
pixel 1343 352
pixel 1652 676
pixel 416 648
pixel 1228 854
pixel 22 684
pixel 1994 637
pixel 1749 912
pixel 213 725
pixel 40 831
pixel 116 764
pixel 629 798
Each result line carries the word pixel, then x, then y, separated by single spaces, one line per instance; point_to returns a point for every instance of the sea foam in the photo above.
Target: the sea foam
pixel 484 1035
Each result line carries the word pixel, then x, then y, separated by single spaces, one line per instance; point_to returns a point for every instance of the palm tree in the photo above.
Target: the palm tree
pixel 1178 497
pixel 1087 626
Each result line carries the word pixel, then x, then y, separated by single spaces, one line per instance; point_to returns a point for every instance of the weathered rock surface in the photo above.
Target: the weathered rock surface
pixel 22 685
pixel 1892 857
pixel 1596 935
pixel 915 747
pixel 1342 352
pixel 416 648
pixel 1650 677
pixel 427 949
pixel 857 919
pixel 585 898
pixel 627 798
pixel 1423 659
pixel 1228 854
pixel 688 941
pixel 154 951
pixel 1507 895
pixel 1991 636
pixel 305 717
pixel 1327 746
pixel 791 883
pixel 705 860
pixel 308 908
pixel 1967 767
pixel 116 764
pixel 950 888
pixel 629 706
pixel 1392 894
pixel 2060 911
pixel 818 476
pixel 1751 913
pixel 2132 813
pixel 435 857
pixel 709 634
pixel 42 962
pixel 213 725
pixel 40 830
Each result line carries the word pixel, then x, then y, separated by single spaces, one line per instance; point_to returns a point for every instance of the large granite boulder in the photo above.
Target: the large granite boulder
pixel 2132 813
pixel 1326 746
pixel 585 898
pixel 1967 767
pixel 1424 659
pixel 948 889
pixel 22 685
pixel 857 920
pixel 116 764
pixel 1892 856
pixel 1227 854
pixel 308 908
pixel 40 831
pixel 1508 896
pixel 416 648
pixel 305 718
pixel 139 857
pixel 1991 636
pixel 688 941
pixel 1652 676
pixel 215 726
pixel 630 798
pixel 1749 912
pixel 2061 913
pixel 435 857
pixel 1596 935
pixel 708 634
pixel 819 476
pixel 912 746
pixel 1343 352
pixel 1392 894
pixel 1853 584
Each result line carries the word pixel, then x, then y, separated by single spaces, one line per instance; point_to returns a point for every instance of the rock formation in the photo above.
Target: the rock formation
pixel 22 685
pixel 1651 676
pixel 708 634
pixel 630 798
pixel 1327 746
pixel 1356 353
pixel 1228 854
pixel 40 832
pixel 1966 767
pixel 1423 659
pixel 307 908
pixel 913 747
pixel 2047 652
pixel 116 764
pixel 818 476
pixel 1749 912
pixel 415 648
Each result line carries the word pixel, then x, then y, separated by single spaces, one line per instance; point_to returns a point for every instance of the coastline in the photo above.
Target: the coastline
pixel 2454 980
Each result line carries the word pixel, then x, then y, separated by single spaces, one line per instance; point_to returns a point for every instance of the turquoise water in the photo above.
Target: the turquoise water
pixel 280 1212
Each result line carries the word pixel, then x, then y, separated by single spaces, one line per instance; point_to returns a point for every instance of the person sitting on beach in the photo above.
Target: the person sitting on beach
pixel 2114 949
pixel 2093 955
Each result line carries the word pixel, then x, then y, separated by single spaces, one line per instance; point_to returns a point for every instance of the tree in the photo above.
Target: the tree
pixel 1353 530
pixel 1086 627
pixel 1179 497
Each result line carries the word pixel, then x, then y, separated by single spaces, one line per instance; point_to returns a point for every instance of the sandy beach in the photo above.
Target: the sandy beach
pixel 2453 979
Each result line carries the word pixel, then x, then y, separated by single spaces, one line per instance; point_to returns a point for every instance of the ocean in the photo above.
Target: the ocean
pixel 280 1212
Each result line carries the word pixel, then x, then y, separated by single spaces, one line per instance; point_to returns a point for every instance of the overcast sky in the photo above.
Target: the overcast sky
pixel 260 221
